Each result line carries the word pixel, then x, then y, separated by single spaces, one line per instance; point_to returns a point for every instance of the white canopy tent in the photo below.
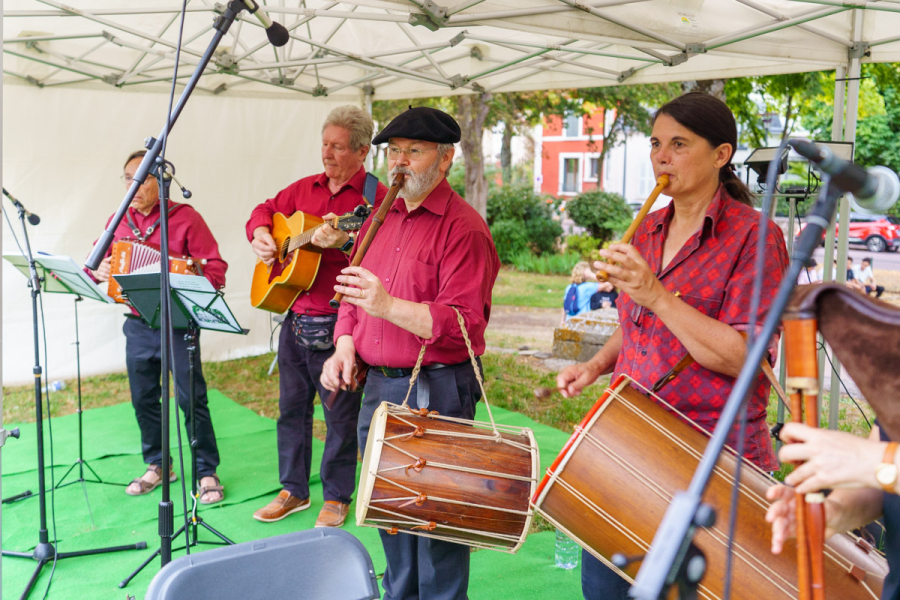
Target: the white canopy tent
pixel 85 85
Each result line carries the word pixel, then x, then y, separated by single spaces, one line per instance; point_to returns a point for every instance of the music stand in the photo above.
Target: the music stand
pixel 196 305
pixel 61 275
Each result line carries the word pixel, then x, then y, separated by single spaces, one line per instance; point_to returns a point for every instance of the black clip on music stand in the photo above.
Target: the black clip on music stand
pixel 196 305
pixel 61 275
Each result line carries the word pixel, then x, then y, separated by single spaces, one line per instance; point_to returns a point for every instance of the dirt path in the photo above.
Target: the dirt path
pixel 512 327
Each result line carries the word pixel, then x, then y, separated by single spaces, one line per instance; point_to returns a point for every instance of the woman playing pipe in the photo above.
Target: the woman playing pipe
pixel 686 284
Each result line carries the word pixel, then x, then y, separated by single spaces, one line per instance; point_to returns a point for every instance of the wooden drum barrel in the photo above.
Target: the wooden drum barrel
pixel 447 478
pixel 612 483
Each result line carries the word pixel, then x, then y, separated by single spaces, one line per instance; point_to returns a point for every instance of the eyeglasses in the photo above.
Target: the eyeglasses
pixel 128 179
pixel 411 153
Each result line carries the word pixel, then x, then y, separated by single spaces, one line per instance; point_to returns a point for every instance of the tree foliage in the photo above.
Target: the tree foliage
pixel 517 213
pixel 602 214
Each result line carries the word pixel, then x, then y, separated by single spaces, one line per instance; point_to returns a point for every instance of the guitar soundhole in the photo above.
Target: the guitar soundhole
pixel 282 252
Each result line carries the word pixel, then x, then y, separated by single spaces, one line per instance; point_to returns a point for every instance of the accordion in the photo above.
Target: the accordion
pixel 132 256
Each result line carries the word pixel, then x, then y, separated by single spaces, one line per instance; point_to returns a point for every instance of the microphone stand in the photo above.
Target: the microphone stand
pixel 44 552
pixel 666 563
pixel 152 161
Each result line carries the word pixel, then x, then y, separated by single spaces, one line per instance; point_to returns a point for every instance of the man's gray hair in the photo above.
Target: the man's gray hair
pixel 356 121
pixel 443 149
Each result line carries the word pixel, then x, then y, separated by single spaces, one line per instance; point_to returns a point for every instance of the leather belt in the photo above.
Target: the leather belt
pixel 394 372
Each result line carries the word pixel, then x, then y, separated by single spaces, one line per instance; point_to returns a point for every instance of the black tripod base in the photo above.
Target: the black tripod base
pixel 17 497
pixel 81 478
pixel 45 553
pixel 198 521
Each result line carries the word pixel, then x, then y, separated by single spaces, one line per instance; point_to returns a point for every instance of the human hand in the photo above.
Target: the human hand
pixel 338 370
pixel 782 514
pixel 366 291
pixel 103 271
pixel 628 271
pixel 575 378
pixel 327 236
pixel 263 244
pixel 830 459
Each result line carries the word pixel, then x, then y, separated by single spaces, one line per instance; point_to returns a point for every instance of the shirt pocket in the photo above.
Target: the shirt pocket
pixel 418 280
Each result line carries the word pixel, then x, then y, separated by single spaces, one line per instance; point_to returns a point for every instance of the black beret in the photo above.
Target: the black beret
pixel 421 123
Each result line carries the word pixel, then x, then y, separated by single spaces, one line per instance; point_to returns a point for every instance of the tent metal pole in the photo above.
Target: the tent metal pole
pixel 463 6
pixel 574 49
pixel 73 59
pixel 50 38
pixel 630 26
pixel 331 34
pixel 63 12
pixel 781 17
pixel 528 12
pixel 758 30
pixel 292 27
pixel 426 55
pixel 338 14
pixel 868 5
pixel 53 64
pixel 844 209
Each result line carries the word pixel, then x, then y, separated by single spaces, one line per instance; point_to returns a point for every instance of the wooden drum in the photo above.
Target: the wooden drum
pixel 446 478
pixel 612 483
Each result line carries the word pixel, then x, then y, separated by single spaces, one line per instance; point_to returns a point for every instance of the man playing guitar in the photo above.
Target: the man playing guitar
pixel 306 335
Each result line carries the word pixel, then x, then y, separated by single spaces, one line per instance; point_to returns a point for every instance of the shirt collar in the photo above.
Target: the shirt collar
pixel 712 216
pixel 357 182
pixel 435 203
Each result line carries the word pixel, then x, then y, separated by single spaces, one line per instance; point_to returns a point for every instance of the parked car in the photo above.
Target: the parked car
pixel 876 232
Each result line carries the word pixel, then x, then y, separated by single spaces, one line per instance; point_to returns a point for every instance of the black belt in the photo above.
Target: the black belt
pixel 404 372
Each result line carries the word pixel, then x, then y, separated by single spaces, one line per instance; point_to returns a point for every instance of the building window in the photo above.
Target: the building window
pixel 593 167
pixel 570 175
pixel 571 125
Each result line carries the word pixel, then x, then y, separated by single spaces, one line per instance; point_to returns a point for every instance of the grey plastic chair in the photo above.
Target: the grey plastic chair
pixel 327 564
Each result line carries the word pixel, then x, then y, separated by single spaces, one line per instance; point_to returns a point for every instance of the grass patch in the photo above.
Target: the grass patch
pixel 545 264
pixel 528 289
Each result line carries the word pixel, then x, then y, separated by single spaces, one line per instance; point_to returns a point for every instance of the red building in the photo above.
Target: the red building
pixel 569 154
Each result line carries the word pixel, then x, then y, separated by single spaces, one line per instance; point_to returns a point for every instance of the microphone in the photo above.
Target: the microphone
pixel 276 32
pixel 32 218
pixel 875 190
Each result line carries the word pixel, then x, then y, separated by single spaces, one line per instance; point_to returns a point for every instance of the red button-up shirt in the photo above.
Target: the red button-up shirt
pixel 188 235
pixel 714 272
pixel 440 254
pixel 312 196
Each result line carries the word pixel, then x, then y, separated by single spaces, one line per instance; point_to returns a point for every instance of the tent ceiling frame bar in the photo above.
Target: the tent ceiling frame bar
pixel 357 81
pixel 313 53
pixel 68 81
pixel 50 63
pixel 140 59
pixel 804 26
pixel 462 6
pixel 391 78
pixel 159 54
pixel 51 38
pixel 528 12
pixel 426 55
pixel 883 41
pixel 76 59
pixel 506 66
pixel 666 60
pixel 602 14
pixel 64 12
pixel 338 14
pixel 578 50
pixel 851 5
pixel 759 30
pixel 120 27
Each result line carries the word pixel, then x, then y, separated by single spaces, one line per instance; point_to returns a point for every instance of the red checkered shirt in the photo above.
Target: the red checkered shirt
pixel 713 272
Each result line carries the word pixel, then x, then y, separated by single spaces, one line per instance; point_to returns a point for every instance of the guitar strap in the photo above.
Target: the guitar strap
pixel 142 237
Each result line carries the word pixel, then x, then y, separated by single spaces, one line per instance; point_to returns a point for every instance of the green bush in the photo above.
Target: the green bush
pixel 546 264
pixel 533 214
pixel 509 239
pixel 584 245
pixel 603 214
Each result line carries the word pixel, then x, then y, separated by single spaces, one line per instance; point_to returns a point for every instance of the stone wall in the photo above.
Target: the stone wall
pixel 582 336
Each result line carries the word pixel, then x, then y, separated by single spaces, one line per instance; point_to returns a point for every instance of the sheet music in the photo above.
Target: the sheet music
pixel 205 305
pixel 61 274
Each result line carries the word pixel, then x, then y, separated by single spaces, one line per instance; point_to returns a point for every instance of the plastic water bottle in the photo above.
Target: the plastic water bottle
pixel 54 386
pixel 567 551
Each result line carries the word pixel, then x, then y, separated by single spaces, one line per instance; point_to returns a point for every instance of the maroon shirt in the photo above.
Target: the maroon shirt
pixel 312 196
pixel 188 235
pixel 440 254
pixel 714 272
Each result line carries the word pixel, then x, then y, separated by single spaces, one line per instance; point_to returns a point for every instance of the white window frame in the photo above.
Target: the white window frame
pixel 578 135
pixel 586 176
pixel 579 173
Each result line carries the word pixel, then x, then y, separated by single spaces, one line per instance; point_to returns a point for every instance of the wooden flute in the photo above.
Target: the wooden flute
pixel 661 183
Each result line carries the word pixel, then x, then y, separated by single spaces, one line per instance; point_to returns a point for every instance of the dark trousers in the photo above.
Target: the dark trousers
pixel 420 567
pixel 299 369
pixel 599 582
pixel 142 358
pixel 878 289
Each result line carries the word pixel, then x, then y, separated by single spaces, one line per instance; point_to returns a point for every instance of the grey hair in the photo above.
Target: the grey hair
pixel 356 121
pixel 443 149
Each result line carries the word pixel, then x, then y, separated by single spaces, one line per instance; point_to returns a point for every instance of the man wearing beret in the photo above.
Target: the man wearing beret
pixel 433 253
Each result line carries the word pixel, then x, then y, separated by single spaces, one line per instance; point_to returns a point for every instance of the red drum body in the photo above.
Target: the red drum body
pixel 612 483
pixel 446 478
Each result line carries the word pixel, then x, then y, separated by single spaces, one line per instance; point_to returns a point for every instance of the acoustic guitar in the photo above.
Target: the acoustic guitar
pixel 276 286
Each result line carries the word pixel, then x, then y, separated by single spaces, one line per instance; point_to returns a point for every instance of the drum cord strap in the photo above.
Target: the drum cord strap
pixel 757 564
pixel 421 526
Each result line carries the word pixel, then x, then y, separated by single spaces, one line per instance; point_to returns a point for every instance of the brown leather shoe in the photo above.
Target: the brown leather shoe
pixel 332 514
pixel 283 505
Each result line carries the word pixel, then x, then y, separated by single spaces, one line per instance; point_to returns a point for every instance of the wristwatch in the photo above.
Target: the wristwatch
pixel 347 245
pixel 886 473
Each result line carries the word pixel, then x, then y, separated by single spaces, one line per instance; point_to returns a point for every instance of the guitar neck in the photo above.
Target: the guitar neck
pixel 306 237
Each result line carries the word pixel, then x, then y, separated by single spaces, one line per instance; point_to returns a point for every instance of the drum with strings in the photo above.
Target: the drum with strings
pixel 452 479
pixel 612 483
